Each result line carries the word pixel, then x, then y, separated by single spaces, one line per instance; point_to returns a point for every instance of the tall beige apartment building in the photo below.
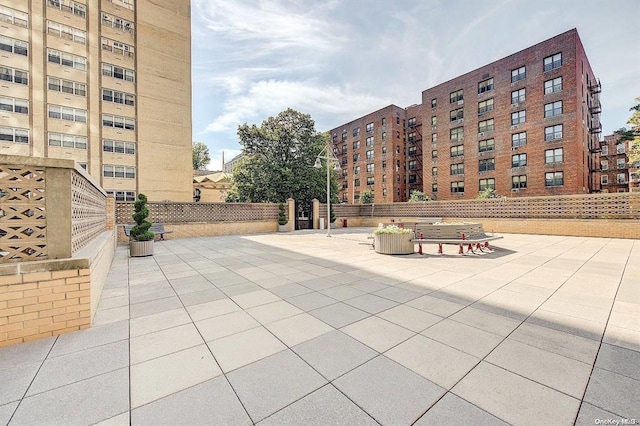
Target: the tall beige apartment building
pixel 106 83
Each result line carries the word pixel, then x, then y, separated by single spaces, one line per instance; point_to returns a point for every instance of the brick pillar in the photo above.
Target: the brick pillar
pixel 292 214
pixel 316 214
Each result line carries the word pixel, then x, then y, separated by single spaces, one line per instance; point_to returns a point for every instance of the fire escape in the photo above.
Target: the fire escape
pixel 414 153
pixel 595 131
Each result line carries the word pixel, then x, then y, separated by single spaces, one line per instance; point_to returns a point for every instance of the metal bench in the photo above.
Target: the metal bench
pixel 470 234
pixel 156 228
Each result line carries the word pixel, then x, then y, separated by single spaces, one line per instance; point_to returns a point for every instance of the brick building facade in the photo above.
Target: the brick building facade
pixel 614 165
pixel 525 125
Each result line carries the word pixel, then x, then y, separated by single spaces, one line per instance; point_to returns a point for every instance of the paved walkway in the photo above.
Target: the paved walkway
pixel 297 329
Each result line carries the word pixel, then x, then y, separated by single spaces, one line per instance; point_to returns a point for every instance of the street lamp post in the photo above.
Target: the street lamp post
pixel 330 158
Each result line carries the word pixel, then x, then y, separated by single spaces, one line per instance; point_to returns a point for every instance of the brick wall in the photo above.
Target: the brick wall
pixel 43 304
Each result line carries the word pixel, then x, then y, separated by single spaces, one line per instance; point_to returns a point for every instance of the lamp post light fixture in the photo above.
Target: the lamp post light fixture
pixel 331 159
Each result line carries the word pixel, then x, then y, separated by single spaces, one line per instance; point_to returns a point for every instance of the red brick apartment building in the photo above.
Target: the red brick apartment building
pixel 614 165
pixel 525 125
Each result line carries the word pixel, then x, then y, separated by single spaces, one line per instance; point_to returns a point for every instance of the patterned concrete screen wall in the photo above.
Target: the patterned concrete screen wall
pixel 201 212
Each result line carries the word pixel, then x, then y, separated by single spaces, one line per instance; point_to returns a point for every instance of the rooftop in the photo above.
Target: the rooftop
pixel 303 329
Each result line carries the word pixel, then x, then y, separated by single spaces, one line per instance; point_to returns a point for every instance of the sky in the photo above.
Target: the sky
pixel 340 59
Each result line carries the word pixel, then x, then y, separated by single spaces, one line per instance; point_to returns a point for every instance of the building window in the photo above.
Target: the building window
pixel 356 145
pixel 117 23
pixel 413 165
pixel 457 169
pixel 370 168
pixel 67 141
pixel 411 122
pixel 518 74
pixel 369 127
pixel 553 62
pixel 621 163
pixel 518 182
pixel 604 180
pixel 117 122
pixel 434 120
pixel 457 151
pixel 456 96
pixel 518 117
pixel 485 106
pixel 122 172
pixel 344 135
pixel 117 47
pixel 66 32
pixel 434 187
pixel 14 17
pixel 620 148
pixel 356 158
pixel 14 76
pixel 123 195
pixel 83 165
pixel 434 171
pixel 384 121
pixel 487 145
pixel 356 170
pixel 604 150
pixel 487 165
pixel 384 136
pixel 434 103
pixel 369 141
pixel 552 156
pixel 413 178
pixel 518 139
pixel 456 134
pixel 552 133
pixel 553 86
pixel 13 134
pixel 485 86
pixel 370 181
pixel 67 59
pixel 484 184
pixel 356 182
pixel 485 125
pixel 344 149
pixel 621 179
pixel 411 137
pixel 518 160
pixel 553 109
pixel 518 96
pixel 369 155
pixel 434 138
pixel 356 132
pixel 71 6
pixel 65 113
pixel 18 47
pixel 66 86
pixel 128 4
pixel 434 153
pixel 115 71
pixel 457 187
pixel 456 114
pixel 604 165
pixel 118 147
pixel 19 106
pixel 554 179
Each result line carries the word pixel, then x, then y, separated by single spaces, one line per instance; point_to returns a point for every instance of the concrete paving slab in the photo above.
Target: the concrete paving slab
pixel 95 336
pixel 339 314
pixel 515 399
pixel 436 306
pixel 389 392
pixel 66 369
pixel 290 290
pixel 377 333
pixel 487 321
pixel 81 403
pixel 287 379
pixel 273 311
pixel 397 294
pixel 619 360
pixel 240 349
pixel 195 298
pixel 614 392
pixel 6 411
pixel 555 371
pixel 342 292
pixel 16 380
pixel 298 329
pixel 154 306
pixel 326 406
pixel 123 419
pixel 156 322
pixel 210 403
pixel 410 318
pixel 212 309
pixel 107 316
pixel 240 289
pixel 160 377
pixel 255 298
pixel 163 342
pixel 371 303
pixel 453 409
pixel 590 415
pixel 310 301
pixel 225 325
pixel 441 364
pixel 463 337
pixel 334 354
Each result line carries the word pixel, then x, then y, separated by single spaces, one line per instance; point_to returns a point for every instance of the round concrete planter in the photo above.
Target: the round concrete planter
pixel 394 243
pixel 140 248
pixel 283 228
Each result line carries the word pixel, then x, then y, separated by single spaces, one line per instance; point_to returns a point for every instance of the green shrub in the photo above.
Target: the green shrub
pixel 140 232
pixel 282 217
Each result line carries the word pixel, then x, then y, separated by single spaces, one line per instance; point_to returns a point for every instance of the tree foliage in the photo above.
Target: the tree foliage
pixel 140 232
pixel 488 193
pixel 366 197
pixel 200 156
pixel 631 136
pixel 278 161
pixel 418 197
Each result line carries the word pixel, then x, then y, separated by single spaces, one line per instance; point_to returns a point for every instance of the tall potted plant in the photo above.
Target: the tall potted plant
pixel 332 216
pixel 141 239
pixel 282 219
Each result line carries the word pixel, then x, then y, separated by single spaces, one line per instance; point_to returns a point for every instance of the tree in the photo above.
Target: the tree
pixel 418 197
pixel 366 197
pixel 200 156
pixel 488 193
pixel 278 161
pixel 632 135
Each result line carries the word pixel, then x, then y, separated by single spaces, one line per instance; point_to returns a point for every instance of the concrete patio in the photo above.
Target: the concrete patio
pixel 301 329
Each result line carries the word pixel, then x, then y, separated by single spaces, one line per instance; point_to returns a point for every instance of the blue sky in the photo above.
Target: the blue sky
pixel 340 59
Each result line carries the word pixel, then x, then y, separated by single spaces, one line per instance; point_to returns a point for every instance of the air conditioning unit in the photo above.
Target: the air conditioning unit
pixel 460 120
pixel 515 105
pixel 481 134
pixel 461 101
pixel 515 126
pixel 515 190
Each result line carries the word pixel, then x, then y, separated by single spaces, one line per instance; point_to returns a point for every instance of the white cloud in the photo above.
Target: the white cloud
pixel 268 97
